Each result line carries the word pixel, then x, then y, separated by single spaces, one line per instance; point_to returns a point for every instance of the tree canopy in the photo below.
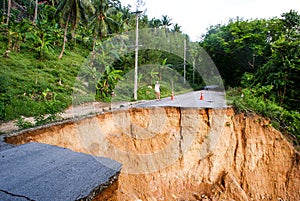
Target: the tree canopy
pixel 259 52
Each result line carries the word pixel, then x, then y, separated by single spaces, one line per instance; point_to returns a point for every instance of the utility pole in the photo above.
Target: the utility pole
pixel 194 71
pixel 135 88
pixel 184 61
pixel 136 57
pixel 137 13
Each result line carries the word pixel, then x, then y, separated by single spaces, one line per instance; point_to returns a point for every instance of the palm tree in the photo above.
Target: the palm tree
pixel 155 23
pixel 72 11
pixel 119 24
pixel 176 28
pixel 126 16
pixel 102 20
pixel 166 21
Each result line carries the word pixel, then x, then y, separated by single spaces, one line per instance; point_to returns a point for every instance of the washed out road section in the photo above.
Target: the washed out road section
pixel 36 171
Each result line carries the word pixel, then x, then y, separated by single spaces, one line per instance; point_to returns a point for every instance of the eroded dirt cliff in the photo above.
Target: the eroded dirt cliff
pixel 184 154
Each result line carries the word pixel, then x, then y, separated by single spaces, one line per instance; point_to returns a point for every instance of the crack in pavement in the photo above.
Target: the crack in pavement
pixel 15 195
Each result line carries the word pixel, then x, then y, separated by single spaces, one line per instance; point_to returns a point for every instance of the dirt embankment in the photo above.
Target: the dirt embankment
pixel 184 154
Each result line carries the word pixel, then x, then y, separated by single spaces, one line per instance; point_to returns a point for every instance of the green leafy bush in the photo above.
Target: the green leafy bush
pixel 257 100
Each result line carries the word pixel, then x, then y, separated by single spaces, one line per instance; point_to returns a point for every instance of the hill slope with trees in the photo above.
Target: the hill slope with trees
pixel 44 44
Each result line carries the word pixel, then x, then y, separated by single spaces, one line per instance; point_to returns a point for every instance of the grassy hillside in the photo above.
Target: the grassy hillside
pixel 33 87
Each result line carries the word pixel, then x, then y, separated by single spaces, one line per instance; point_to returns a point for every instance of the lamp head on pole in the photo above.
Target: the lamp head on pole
pixel 137 12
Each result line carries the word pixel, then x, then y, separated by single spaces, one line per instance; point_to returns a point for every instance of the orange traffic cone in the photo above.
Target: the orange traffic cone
pixel 201 96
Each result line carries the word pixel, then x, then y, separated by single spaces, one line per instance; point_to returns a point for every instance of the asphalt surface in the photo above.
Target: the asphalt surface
pixel 36 171
pixel 210 99
pixel 4 145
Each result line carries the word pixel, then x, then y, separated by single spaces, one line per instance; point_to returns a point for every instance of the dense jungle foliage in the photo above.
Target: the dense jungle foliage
pixel 44 44
pixel 261 59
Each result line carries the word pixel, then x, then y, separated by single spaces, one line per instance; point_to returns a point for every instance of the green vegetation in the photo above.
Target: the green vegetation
pixel 64 55
pixel 254 101
pixel 43 55
pixel 263 57
pixel 32 87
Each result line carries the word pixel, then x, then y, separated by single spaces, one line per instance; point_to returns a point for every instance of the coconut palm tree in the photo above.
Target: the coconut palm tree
pixel 155 23
pixel 126 16
pixel 176 28
pixel 71 11
pixel 166 21
pixel 101 19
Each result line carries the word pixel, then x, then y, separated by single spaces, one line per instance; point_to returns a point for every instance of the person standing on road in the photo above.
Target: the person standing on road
pixel 157 90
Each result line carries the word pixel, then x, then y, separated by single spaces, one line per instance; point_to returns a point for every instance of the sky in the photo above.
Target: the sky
pixel 195 16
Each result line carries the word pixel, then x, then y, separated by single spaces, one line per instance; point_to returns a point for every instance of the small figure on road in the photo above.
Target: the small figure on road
pixel 157 90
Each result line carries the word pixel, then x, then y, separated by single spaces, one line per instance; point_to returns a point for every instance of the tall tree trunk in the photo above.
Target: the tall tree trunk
pixel 8 12
pixel 35 12
pixel 4 11
pixel 65 37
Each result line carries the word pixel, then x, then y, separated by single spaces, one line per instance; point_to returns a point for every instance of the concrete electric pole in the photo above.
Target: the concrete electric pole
pixel 137 13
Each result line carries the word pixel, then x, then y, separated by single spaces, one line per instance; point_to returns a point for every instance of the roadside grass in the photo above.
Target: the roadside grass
pixel 33 87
